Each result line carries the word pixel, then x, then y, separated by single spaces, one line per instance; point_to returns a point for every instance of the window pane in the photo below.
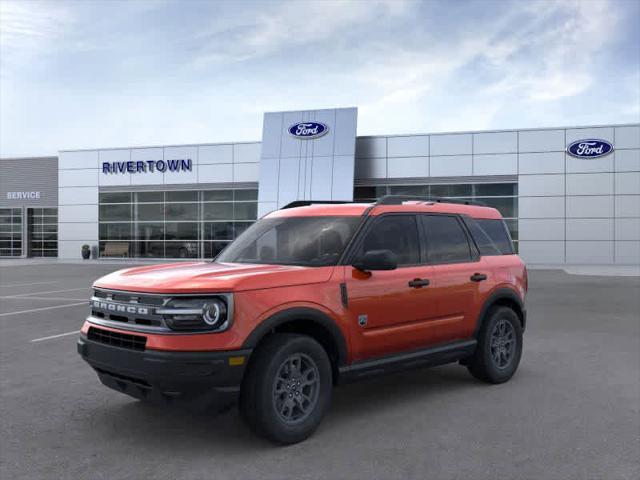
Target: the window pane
pixel 218 231
pixel 150 197
pixel 149 212
pixel 150 231
pixel 369 193
pixel 413 190
pixel 240 227
pixel 181 231
pixel 50 211
pixel 497 232
pixel 398 233
pixel 115 212
pixel 496 189
pixel 512 225
pixel 149 249
pixel 242 195
pixel 460 190
pixel 246 211
pixel 115 231
pixel 217 211
pixel 446 240
pixel 217 195
pixel 312 241
pixel 182 196
pixel 508 207
pixel 117 197
pixel 211 249
pixel 182 249
pixel 181 211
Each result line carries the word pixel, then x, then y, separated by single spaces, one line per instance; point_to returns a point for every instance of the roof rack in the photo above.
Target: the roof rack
pixel 399 199
pixel 306 203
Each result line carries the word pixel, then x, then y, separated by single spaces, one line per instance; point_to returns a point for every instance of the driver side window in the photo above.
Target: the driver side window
pixel 398 233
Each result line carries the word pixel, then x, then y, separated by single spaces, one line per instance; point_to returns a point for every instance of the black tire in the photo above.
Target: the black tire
pixel 267 397
pixel 498 362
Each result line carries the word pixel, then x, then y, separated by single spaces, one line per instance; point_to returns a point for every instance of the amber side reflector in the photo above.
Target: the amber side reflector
pixel 235 361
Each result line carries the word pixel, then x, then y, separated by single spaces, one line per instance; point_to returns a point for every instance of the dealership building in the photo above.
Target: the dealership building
pixel 569 195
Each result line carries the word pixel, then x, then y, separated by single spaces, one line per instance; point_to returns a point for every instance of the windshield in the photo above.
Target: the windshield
pixel 305 241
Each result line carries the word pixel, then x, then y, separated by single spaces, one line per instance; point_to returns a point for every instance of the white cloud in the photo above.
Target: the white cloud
pixel 276 26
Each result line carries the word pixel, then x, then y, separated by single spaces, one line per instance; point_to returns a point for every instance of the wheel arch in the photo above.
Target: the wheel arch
pixel 502 297
pixel 306 321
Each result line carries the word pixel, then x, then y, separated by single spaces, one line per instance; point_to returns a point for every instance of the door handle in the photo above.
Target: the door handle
pixel 418 282
pixel 478 277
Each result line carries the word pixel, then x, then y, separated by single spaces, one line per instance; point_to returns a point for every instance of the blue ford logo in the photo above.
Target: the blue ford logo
pixel 308 130
pixel 590 148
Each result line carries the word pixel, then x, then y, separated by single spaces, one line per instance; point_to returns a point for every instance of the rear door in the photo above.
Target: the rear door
pixel 460 276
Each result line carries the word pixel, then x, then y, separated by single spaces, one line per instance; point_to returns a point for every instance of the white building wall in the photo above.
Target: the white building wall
pixel 80 177
pixel 570 210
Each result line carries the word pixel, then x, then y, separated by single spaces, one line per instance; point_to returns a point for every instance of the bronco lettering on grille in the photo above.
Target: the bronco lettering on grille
pixel 118 307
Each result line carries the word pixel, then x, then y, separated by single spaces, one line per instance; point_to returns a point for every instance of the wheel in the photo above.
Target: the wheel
pixel 499 347
pixel 287 388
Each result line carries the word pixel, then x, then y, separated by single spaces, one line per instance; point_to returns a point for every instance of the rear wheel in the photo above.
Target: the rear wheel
pixel 287 389
pixel 499 347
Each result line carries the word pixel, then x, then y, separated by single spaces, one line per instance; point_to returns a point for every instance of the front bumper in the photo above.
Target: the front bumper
pixel 197 380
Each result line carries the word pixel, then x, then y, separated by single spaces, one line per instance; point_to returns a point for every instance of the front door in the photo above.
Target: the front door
pixel 390 311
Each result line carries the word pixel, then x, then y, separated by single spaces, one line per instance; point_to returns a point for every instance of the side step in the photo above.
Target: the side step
pixel 429 357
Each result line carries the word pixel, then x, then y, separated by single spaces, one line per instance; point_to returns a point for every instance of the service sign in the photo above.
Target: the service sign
pixel 23 195
pixel 589 148
pixel 308 130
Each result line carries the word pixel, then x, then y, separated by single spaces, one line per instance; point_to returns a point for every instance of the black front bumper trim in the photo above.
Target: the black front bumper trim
pixel 195 379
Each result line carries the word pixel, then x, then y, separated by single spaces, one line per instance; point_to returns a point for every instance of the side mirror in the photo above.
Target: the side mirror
pixel 377 260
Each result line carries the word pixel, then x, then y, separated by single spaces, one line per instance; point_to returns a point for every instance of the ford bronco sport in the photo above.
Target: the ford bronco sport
pixel 311 296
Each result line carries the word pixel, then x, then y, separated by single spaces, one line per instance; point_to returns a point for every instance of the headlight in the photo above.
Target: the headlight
pixel 197 314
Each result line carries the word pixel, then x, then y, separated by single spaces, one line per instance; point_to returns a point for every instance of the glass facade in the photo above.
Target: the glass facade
pixel 173 224
pixel 42 228
pixel 502 196
pixel 10 232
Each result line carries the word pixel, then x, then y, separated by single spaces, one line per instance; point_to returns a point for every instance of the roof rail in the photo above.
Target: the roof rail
pixel 399 199
pixel 306 203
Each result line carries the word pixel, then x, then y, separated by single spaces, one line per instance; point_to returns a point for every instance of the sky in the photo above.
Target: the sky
pixel 84 74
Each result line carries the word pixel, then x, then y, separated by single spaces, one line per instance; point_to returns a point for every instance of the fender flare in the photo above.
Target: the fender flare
pixel 296 314
pixel 495 297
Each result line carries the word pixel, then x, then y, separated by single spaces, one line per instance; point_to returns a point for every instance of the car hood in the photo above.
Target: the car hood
pixel 203 277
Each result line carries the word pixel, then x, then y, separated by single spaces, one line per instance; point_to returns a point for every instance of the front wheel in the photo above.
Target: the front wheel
pixel 287 388
pixel 499 347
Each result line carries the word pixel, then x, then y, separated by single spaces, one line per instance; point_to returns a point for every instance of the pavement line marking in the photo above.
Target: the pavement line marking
pixel 55 336
pixel 43 308
pixel 52 291
pixel 13 297
pixel 26 284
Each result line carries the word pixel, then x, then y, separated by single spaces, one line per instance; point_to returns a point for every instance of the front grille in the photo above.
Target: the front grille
pixel 135 309
pixel 117 339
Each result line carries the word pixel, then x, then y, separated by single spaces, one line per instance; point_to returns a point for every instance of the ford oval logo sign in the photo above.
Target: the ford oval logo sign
pixel 308 130
pixel 590 148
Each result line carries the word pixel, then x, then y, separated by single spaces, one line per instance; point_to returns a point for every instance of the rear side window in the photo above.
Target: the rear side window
pixel 398 233
pixel 446 239
pixel 491 236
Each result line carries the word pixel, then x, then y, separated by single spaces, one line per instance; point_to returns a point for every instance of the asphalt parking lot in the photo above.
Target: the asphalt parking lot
pixel 571 411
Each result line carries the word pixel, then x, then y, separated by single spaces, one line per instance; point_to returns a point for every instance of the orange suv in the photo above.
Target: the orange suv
pixel 311 296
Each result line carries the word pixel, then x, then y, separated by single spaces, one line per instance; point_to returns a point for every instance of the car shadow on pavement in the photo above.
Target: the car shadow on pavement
pixel 176 430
